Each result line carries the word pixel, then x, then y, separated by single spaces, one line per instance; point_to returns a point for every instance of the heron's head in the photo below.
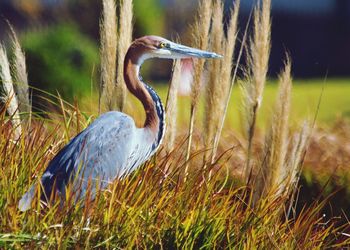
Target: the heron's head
pixel 157 47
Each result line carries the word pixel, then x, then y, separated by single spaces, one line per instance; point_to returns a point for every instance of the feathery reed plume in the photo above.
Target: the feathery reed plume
pixel 274 170
pixel 171 107
pixel 299 145
pixel 8 95
pixel 215 89
pixel 200 34
pixel 257 66
pixel 20 77
pixel 125 29
pixel 220 79
pixel 108 54
pixel 295 158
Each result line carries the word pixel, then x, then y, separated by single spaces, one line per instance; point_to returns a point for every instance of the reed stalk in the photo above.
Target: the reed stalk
pixel 125 29
pixel 299 144
pixel 108 54
pixel 19 70
pixel 217 84
pixel 274 170
pixel 171 107
pixel 221 79
pixel 279 130
pixel 200 35
pixel 257 65
pixel 8 95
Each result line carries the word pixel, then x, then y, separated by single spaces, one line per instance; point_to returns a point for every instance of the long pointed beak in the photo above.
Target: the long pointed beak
pixel 185 52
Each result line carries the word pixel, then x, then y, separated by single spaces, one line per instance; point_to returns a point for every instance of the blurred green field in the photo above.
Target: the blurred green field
pixel 335 102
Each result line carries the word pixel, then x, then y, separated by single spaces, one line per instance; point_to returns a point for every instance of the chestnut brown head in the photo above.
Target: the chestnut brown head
pixel 157 47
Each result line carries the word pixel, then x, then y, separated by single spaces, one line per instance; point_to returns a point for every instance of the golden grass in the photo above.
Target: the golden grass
pixel 146 210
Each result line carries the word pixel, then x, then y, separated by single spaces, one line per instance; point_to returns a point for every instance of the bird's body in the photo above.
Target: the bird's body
pixel 112 146
pixel 109 148
pixel 95 153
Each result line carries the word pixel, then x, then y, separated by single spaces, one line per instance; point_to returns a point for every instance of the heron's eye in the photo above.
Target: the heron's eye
pixel 163 45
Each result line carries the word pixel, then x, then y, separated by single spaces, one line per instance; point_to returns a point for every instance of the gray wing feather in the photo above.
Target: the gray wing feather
pixel 106 151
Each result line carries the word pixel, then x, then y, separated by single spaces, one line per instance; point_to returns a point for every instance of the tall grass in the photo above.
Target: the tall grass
pixel 145 210
pixel 148 209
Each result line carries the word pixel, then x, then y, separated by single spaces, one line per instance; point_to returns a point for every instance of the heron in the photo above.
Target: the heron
pixel 112 147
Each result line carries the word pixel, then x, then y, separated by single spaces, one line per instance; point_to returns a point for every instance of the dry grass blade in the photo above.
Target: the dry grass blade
pixel 125 29
pixel 257 66
pixel 20 77
pixel 8 95
pixel 274 170
pixel 200 35
pixel 171 107
pixel 108 54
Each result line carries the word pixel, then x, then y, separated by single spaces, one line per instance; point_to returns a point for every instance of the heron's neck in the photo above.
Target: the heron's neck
pixel 155 120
